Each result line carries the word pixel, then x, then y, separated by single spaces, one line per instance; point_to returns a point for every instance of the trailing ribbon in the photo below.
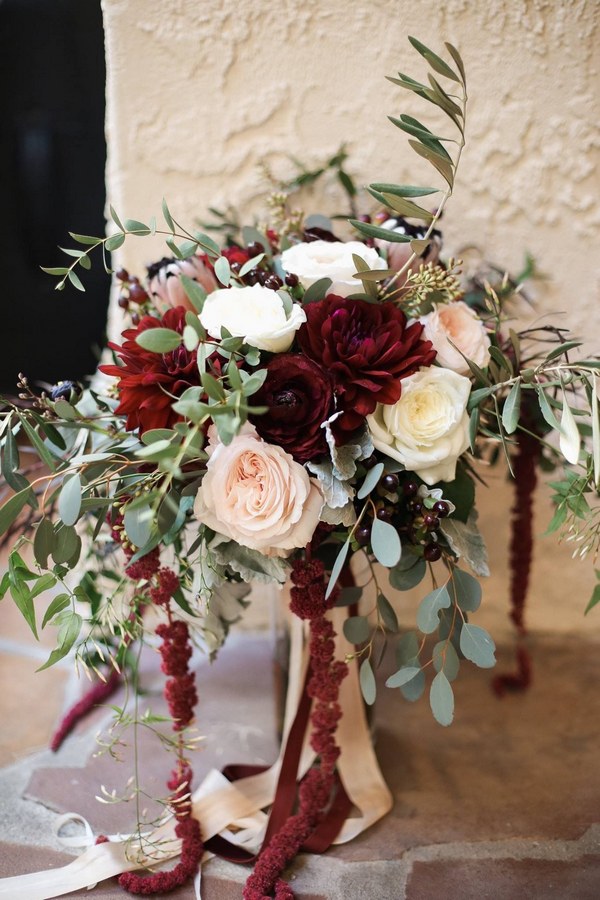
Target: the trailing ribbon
pixel 233 810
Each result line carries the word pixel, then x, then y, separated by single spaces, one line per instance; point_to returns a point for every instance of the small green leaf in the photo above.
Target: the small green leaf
pixel 512 408
pixel 223 270
pixel 367 683
pixel 58 603
pixel 135 227
pixel 85 238
pixel 114 241
pixel 54 270
pixel 546 410
pixel 138 525
pixel 316 291
pixel 66 542
pixel 445 658
pixel 159 340
pixel 349 595
pixel 371 481
pixel 67 636
pixel 387 613
pixel 435 61
pixel 594 600
pixel 429 609
pixel 403 190
pixel 69 501
pixel 190 338
pixel 402 676
pixel 357 629
pixel 43 542
pixel 441 699
pixel 337 568
pixel 75 281
pixel 11 509
pixel 251 264
pixel 116 219
pixel 477 646
pixel 167 216
pixel 467 590
pixel 375 231
pixel 403 579
pixel 385 543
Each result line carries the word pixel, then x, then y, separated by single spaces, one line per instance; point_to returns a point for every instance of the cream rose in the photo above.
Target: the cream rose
pixel 428 428
pixel 165 284
pixel 257 495
pixel 330 259
pixel 255 313
pixel 456 323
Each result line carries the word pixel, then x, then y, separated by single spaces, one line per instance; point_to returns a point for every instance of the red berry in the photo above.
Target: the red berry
pixel 410 488
pixel 441 508
pixel 122 274
pixel 137 294
pixel 431 520
pixel 273 282
pixel 432 552
pixel 390 482
pixel 254 248
pixel 123 302
pixel 135 319
pixel 363 536
pixel 291 280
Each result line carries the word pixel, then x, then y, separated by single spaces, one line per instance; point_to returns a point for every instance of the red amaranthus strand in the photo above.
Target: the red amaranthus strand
pixel 521 554
pixel 307 602
pixel 180 693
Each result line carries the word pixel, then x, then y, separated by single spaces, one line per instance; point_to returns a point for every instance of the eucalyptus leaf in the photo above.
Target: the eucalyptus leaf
pixel 512 408
pixel 337 568
pixel 371 481
pixel 402 676
pixel 385 543
pixel 477 646
pixel 367 683
pixel 429 609
pixel 441 699
pixel 159 340
pixel 69 500
pixel 387 613
pixel 138 525
pixel 316 291
pixel 445 659
pixel 403 579
pixel 357 629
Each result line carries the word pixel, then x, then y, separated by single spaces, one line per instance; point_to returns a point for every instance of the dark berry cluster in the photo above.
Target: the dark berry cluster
pixel 131 291
pixel 397 502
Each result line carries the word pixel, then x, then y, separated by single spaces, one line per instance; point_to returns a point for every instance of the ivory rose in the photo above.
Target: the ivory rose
pixel 257 495
pixel 330 259
pixel 255 313
pixel 456 323
pixel 428 428
pixel 165 285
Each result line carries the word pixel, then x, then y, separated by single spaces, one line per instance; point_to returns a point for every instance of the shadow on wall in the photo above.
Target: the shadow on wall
pixel 52 158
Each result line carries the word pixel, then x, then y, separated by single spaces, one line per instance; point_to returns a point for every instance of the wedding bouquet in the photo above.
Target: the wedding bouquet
pixel 277 407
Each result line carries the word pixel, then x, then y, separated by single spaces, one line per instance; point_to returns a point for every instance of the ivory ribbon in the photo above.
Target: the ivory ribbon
pixel 235 809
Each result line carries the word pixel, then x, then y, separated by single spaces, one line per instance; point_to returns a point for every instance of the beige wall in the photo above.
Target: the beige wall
pixel 200 92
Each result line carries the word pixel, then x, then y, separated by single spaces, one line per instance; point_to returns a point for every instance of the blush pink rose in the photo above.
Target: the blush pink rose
pixel 257 495
pixel 453 328
pixel 164 282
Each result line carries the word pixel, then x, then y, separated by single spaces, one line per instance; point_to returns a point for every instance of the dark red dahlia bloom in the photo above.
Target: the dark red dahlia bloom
pixel 299 395
pixel 148 381
pixel 367 348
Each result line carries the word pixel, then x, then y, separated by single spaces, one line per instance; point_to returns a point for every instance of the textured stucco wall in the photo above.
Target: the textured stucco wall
pixel 199 93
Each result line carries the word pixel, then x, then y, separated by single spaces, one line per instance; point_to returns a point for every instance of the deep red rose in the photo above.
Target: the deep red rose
pixel 299 395
pixel 367 348
pixel 148 380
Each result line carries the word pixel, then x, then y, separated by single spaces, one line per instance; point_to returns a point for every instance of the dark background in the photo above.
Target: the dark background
pixel 52 159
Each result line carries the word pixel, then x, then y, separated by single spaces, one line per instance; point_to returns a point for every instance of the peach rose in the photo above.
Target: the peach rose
pixel 459 324
pixel 165 286
pixel 257 495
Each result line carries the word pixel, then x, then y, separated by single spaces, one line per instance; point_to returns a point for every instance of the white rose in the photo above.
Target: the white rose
pixel 459 324
pixel 428 428
pixel 258 495
pixel 255 313
pixel 330 259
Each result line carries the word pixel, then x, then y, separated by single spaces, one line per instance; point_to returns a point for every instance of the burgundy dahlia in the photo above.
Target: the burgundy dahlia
pixel 367 348
pixel 148 381
pixel 299 394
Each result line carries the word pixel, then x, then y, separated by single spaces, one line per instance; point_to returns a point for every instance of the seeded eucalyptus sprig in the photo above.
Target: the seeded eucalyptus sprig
pixel 430 146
